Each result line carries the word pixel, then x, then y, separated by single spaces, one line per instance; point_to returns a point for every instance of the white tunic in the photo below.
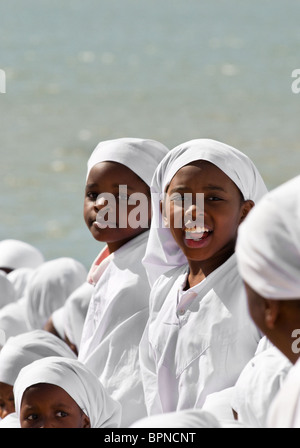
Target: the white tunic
pixel 196 341
pixel 115 322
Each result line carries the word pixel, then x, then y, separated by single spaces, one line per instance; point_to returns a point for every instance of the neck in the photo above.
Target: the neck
pixel 199 270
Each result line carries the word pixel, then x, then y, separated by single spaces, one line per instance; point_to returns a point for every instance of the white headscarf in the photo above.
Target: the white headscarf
pixel 50 286
pixel 16 254
pixel 21 350
pixel 7 291
pixel 284 410
pixel 140 155
pixel 268 244
pixel 78 381
pixel 162 251
pixel 258 384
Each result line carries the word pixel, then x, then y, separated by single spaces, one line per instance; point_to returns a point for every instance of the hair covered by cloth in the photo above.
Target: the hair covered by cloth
pixel 50 286
pixel 78 381
pixel 162 252
pixel 16 254
pixel 140 155
pixel 21 350
pixel 268 244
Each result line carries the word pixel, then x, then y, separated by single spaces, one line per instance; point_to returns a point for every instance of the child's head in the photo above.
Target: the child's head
pixel 268 254
pixel 222 210
pixel 50 286
pixel 60 392
pixel 229 185
pixel 117 205
pixel 18 352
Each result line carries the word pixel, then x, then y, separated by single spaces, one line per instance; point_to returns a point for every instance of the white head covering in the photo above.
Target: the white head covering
pixel 19 278
pixel 7 291
pixel 78 381
pixel 50 286
pixel 268 244
pixel 18 254
pixel 140 155
pixel 162 251
pixel 21 350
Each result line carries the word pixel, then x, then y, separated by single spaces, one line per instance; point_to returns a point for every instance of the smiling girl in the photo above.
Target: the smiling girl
pixel 199 335
pixel 119 171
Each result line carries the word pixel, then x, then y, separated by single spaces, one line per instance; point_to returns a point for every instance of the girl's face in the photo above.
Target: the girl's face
pixel 49 406
pixel 117 205
pixel 224 209
pixel 7 404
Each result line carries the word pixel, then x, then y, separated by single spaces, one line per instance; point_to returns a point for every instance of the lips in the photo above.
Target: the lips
pixel 104 225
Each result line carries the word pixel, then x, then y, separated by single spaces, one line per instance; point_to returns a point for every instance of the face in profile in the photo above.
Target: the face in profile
pixel 49 406
pixel 117 204
pixel 7 404
pixel 223 208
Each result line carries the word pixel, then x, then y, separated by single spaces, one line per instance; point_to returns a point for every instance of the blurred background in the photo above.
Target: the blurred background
pixel 78 72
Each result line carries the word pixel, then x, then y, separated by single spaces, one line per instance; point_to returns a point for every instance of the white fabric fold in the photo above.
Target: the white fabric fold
pixel 16 254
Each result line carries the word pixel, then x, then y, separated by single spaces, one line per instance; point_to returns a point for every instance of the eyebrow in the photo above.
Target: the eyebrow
pixel 208 187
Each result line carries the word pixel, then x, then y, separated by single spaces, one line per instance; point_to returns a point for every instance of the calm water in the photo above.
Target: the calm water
pixel 82 71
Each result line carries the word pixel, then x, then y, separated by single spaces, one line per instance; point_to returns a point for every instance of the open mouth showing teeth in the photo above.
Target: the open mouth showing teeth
pixel 197 233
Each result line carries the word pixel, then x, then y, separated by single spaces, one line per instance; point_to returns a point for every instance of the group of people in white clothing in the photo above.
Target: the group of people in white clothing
pixel 187 318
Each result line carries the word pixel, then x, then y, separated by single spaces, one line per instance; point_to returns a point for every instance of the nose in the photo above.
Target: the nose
pixel 194 215
pixel 46 423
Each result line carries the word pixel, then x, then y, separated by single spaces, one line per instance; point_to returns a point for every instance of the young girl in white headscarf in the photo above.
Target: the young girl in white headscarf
pixel 57 392
pixel 268 254
pixel 199 335
pixel 119 174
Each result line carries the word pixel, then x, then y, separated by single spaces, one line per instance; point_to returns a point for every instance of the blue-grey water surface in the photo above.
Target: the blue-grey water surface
pixel 78 72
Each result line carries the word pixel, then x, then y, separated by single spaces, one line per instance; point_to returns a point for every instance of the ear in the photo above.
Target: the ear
pixel 272 312
pixel 85 421
pixel 245 209
pixel 163 212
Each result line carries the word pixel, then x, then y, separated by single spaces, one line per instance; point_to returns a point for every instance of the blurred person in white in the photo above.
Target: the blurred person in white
pixel 18 352
pixel 119 307
pixel 15 254
pixel 268 254
pixel 57 392
pixel 49 287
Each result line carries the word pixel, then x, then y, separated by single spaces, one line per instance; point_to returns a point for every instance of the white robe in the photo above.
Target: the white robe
pixel 258 384
pixel 284 411
pixel 115 322
pixel 199 344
